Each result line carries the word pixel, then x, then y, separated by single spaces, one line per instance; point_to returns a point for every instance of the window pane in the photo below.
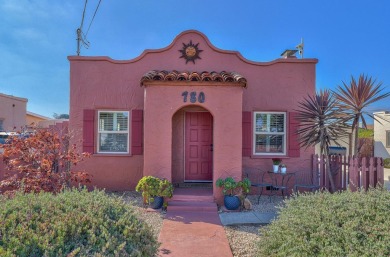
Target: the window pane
pixel 121 118
pixel 261 122
pixel 269 144
pixel 277 123
pixel 113 121
pixel 113 142
pixel 106 121
pixel 269 122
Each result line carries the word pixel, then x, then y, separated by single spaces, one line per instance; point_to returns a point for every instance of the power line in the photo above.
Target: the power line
pixel 81 37
pixel 79 30
pixel 97 7
pixel 82 19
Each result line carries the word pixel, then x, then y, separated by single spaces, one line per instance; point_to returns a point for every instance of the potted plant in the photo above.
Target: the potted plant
pixel 276 162
pixel 154 190
pixel 283 168
pixel 229 188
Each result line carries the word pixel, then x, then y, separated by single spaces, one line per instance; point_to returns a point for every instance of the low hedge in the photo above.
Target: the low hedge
pixel 72 223
pixel 324 224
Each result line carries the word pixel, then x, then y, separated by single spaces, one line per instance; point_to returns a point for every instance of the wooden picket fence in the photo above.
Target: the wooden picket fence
pixel 352 172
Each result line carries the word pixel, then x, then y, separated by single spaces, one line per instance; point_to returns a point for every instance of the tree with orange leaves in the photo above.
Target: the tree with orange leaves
pixel 42 161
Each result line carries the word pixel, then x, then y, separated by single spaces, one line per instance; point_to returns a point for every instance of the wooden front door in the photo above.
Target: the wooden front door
pixel 198 146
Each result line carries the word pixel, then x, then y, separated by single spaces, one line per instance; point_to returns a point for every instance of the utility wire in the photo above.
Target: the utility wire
pixel 82 19
pixel 97 7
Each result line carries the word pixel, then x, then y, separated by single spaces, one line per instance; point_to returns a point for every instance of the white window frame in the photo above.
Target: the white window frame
pixel 113 132
pixel 284 134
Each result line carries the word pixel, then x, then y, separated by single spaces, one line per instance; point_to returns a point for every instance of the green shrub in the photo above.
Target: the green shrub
pixel 72 223
pixel 151 186
pixel 324 224
pixel 387 163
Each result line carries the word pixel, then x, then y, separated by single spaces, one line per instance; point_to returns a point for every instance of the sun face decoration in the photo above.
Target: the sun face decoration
pixel 190 52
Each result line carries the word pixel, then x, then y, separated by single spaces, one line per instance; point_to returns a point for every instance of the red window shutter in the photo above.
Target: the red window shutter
pixel 88 130
pixel 246 133
pixel 137 136
pixel 293 143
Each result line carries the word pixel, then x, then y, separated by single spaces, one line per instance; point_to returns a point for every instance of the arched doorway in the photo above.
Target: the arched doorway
pixel 192 145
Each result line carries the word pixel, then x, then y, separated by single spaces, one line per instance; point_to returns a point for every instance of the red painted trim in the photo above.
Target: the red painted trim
pixel 246 134
pixel 293 143
pixel 88 130
pixel 137 137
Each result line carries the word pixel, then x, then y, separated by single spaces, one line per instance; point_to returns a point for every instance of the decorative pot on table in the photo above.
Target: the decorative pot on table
pixel 231 202
pixel 276 168
pixel 283 169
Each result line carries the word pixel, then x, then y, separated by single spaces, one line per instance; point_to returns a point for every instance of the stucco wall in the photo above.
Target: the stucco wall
pixel 224 104
pixel 12 112
pixel 380 149
pixel 101 83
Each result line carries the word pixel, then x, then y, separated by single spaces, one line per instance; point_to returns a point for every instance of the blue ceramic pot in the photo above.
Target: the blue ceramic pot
pixel 231 202
pixel 157 202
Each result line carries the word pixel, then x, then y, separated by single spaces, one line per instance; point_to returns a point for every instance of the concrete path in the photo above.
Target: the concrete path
pixel 246 218
pixel 192 227
pixel 193 234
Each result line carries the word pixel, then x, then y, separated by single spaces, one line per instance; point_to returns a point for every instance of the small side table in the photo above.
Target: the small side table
pixel 280 181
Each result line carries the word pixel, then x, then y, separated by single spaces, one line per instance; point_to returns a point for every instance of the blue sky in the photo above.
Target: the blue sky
pixel 349 37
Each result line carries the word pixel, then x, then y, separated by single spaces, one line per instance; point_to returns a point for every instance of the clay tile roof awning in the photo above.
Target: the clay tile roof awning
pixel 223 76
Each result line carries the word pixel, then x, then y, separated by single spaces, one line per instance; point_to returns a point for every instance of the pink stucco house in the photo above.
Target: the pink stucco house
pixel 187 112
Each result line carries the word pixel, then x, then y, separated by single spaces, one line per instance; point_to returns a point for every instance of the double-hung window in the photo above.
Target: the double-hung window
pixel 269 133
pixel 113 132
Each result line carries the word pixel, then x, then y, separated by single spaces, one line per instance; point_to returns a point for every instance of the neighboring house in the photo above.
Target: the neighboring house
pixel 189 112
pixel 51 122
pixel 12 112
pixel 382 134
pixel 35 119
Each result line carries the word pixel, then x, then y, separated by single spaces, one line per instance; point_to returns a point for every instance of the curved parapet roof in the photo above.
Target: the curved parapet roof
pixel 175 41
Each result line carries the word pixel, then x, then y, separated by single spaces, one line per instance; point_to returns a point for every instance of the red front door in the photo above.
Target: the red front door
pixel 198 146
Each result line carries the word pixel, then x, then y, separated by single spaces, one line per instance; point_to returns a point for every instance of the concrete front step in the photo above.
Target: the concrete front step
pixel 193 198
pixel 192 206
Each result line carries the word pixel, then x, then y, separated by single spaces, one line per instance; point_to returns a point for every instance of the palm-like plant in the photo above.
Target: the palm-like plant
pixel 355 97
pixel 320 123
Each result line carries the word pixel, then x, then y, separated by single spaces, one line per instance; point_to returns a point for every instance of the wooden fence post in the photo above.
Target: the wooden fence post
pixel 379 171
pixel 354 176
pixel 365 173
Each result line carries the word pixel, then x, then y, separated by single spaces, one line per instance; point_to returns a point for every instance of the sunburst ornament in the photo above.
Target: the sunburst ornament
pixel 190 52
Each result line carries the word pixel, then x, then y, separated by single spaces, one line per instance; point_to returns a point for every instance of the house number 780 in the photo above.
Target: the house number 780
pixel 193 99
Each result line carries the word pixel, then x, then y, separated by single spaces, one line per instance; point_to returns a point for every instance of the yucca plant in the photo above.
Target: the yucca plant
pixel 320 123
pixel 355 97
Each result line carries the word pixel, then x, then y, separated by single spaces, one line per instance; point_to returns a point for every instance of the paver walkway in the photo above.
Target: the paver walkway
pixel 192 227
